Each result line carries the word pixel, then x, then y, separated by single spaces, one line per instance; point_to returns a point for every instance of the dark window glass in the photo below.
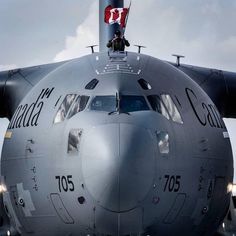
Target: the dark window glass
pixel 79 105
pixel 83 102
pixel 64 108
pixel 144 84
pixel 157 105
pixel 129 103
pixel 92 84
pixel 103 103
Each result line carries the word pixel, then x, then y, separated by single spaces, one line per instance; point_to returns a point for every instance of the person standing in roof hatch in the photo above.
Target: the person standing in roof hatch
pixel 118 43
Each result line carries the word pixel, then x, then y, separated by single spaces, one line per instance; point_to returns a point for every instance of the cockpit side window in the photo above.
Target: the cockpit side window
pixel 172 109
pixel 64 108
pixel 158 106
pixel 79 105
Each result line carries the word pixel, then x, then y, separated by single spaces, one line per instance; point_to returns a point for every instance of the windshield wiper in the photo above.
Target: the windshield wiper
pixel 118 110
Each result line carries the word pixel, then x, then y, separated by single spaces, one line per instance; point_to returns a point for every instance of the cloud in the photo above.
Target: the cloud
pixel 229 45
pixel 86 34
pixel 211 8
pixel 195 30
pixel 7 67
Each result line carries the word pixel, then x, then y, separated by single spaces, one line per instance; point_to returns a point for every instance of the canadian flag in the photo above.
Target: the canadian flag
pixel 116 15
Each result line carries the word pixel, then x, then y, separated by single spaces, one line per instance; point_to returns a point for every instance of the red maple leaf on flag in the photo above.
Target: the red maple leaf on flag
pixel 116 15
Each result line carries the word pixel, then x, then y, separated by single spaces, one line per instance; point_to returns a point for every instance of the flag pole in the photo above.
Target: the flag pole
pixel 106 31
pixel 127 17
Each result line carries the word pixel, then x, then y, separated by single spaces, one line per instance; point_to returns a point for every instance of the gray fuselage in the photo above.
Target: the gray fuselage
pixel 136 169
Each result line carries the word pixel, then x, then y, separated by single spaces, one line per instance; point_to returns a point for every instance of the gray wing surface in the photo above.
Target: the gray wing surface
pixel 219 85
pixel 15 84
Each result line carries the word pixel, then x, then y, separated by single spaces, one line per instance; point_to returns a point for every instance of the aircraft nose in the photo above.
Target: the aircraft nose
pixel 118 165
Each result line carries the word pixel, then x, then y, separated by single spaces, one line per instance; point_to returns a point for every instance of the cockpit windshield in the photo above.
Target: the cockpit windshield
pixel 103 103
pixel 123 103
pixel 130 103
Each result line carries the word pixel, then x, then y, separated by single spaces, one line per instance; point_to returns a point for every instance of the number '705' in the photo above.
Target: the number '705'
pixel 65 183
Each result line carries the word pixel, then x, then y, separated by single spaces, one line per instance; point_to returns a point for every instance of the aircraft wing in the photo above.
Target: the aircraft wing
pixel 219 85
pixel 15 84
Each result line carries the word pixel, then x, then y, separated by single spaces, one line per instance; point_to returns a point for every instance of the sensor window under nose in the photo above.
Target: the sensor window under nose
pixel 163 142
pixel 74 140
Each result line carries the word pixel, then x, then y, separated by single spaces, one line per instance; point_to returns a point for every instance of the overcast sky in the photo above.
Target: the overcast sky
pixel 41 31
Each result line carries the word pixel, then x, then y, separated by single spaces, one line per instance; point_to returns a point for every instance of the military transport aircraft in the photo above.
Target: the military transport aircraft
pixel 116 143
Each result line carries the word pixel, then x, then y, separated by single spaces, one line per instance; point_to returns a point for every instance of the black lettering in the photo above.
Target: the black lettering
pixel 177 183
pixel 65 183
pixel 202 121
pixel 70 182
pixel 28 114
pixel 222 125
pixel 215 116
pixel 209 116
pixel 25 121
pixel 32 106
pixel 14 118
pixel 21 116
pixel 172 183
pixel 167 180
pixel 34 121
pixel 47 93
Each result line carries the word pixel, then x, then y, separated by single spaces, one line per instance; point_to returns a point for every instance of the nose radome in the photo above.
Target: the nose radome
pixel 118 165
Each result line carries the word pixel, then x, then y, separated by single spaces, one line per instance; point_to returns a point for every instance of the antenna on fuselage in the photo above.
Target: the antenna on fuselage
pixel 92 47
pixel 139 47
pixel 178 58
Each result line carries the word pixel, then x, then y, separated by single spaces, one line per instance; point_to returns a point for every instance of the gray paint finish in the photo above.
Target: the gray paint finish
pixel 118 169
